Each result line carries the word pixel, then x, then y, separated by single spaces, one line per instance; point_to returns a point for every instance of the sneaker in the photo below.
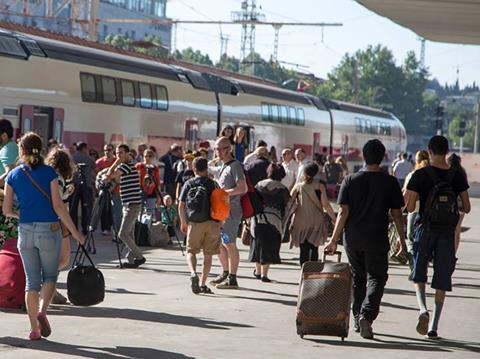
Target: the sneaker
pixel 422 323
pixel 356 326
pixel 35 335
pixel 205 290
pixel 230 283
pixel 58 298
pixel 432 334
pixel 366 330
pixel 257 276
pixel 136 263
pixel 44 325
pixel 194 284
pixel 266 280
pixel 219 279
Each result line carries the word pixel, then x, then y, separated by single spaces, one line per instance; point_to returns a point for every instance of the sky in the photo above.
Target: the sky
pixel 304 45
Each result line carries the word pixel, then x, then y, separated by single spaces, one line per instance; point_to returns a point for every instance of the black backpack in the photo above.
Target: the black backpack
pixel 198 203
pixel 441 207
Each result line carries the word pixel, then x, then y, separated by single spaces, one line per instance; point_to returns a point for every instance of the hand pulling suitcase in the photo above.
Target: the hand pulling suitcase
pixel 324 298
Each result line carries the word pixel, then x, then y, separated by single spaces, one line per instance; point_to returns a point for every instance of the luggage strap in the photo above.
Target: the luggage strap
pixel 84 254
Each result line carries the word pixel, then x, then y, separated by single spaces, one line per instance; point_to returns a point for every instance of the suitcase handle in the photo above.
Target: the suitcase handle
pixel 336 253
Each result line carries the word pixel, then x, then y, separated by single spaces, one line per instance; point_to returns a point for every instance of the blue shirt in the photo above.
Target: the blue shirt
pixel 240 152
pixel 34 206
pixel 8 156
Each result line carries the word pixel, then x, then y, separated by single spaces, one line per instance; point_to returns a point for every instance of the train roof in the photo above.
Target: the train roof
pixel 355 108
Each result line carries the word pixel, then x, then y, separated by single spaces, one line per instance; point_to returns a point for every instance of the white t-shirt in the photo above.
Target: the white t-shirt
pixel 250 158
pixel 301 170
pixel 402 169
pixel 291 170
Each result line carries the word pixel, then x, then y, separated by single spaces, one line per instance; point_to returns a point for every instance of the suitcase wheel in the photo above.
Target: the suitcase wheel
pixel 301 335
pixel 343 339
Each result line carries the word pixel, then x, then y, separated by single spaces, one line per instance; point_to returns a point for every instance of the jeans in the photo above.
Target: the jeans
pixel 39 244
pixel 150 205
pixel 370 274
pixel 127 230
pixel 308 252
pixel 117 211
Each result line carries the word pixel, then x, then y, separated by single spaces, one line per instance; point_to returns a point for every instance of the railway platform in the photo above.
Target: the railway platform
pixel 151 313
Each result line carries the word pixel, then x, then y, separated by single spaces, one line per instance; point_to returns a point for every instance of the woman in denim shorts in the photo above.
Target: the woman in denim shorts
pixel 35 186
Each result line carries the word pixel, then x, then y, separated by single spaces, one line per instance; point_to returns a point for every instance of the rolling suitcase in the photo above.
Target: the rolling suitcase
pixel 324 298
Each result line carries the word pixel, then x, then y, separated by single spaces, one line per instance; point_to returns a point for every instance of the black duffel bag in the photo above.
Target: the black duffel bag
pixel 85 283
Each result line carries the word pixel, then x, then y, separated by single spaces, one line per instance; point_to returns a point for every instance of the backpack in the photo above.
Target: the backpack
pixel 219 205
pixel 251 201
pixel 197 203
pixel 441 208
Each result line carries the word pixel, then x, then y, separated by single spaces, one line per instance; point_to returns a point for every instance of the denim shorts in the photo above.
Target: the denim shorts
pixel 39 244
pixel 436 247
pixel 230 227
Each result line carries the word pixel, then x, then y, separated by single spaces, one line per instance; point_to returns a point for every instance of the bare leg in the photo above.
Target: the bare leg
pixel 233 257
pixel 223 257
pixel 265 268
pixel 32 299
pixel 192 263
pixel 258 269
pixel 207 265
pixel 458 230
pixel 48 289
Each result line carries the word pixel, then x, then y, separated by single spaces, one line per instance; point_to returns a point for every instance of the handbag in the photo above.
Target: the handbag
pixel 330 226
pixel 246 235
pixel 85 283
pixel 65 231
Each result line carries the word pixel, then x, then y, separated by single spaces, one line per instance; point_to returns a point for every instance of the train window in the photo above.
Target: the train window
pixel 162 98
pixel 145 95
pixel 270 112
pixel 358 125
pixel 27 125
pixel 276 113
pixel 292 115
pixel 368 126
pixel 57 131
pixel 379 128
pixel 89 89
pixel 388 129
pixel 284 113
pixel 10 46
pixel 128 93
pixel 109 91
pixel 300 117
pixel 265 112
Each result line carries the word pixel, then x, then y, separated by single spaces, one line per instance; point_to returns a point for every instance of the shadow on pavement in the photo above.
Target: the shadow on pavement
pixel 91 352
pixel 398 306
pixel 466 286
pixel 292 303
pixel 109 290
pixel 412 293
pixel 143 315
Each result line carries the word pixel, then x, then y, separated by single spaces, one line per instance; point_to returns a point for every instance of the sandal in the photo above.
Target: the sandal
pixel 35 335
pixel 45 329
pixel 205 290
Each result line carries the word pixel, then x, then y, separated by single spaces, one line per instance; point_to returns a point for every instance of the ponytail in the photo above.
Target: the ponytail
pixel 31 144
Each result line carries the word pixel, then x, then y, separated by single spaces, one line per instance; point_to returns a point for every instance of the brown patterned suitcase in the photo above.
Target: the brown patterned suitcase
pixel 324 298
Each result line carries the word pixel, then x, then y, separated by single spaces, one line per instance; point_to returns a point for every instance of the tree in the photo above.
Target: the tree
pixel 195 56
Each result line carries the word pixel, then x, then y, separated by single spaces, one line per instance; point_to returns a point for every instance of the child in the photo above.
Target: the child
pixel 169 216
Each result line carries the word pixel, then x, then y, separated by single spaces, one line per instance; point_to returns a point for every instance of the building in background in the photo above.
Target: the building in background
pixel 56 15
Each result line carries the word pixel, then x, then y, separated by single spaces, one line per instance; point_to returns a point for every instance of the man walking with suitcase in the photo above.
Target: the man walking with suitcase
pixel 365 199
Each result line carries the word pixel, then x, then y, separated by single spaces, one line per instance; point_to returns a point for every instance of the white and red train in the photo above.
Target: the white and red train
pixel 72 92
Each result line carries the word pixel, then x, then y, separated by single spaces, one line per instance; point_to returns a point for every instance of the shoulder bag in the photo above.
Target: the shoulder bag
pixel 65 231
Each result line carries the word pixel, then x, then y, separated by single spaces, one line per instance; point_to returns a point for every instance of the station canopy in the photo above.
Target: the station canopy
pixel 455 21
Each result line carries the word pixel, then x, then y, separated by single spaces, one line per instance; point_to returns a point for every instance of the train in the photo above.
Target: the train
pixel 73 90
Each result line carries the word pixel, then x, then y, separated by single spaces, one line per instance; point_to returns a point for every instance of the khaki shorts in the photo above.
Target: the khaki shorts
pixel 204 236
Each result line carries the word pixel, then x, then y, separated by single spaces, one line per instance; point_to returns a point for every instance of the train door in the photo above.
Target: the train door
pixel 45 121
pixel 191 134
pixel 316 143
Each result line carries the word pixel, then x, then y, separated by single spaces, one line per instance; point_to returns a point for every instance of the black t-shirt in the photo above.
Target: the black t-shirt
pixel 184 176
pixel 206 182
pixel 370 196
pixel 421 182
pixel 257 170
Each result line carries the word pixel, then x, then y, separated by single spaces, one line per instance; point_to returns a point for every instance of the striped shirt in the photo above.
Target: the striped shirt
pixel 130 191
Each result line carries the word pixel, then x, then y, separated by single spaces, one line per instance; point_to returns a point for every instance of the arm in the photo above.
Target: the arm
pixel 239 189
pixel 8 168
pixel 397 216
pixel 466 201
pixel 339 226
pixel 411 198
pixel 61 211
pixel 7 207
pixel 183 218
pixel 326 203
pixel 112 171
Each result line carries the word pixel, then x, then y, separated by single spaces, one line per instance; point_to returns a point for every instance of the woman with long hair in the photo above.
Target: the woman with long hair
pixel 60 161
pixel 309 228
pixel 240 147
pixel 228 132
pixel 40 237
pixel 455 161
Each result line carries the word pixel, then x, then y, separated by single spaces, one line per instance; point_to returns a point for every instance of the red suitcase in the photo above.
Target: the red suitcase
pixel 324 298
pixel 12 278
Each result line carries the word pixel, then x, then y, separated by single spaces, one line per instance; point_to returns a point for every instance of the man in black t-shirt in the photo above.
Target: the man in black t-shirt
pixel 434 243
pixel 365 199
pixel 200 235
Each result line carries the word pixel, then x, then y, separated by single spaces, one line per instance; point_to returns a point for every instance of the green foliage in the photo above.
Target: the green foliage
pixel 195 56
pixel 155 47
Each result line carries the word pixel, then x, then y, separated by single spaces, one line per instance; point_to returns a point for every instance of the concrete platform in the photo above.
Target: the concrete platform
pixel 151 313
